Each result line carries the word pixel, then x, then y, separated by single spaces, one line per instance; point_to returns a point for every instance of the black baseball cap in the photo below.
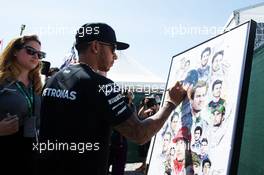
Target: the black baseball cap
pixel 100 32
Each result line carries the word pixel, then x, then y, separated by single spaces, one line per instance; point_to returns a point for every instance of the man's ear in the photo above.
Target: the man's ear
pixel 94 47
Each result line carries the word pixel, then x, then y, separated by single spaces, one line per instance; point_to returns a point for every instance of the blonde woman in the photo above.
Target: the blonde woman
pixel 20 89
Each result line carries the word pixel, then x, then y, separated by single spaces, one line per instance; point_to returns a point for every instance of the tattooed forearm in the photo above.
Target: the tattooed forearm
pixel 142 131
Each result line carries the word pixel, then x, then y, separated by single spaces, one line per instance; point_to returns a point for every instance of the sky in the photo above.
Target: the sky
pixel 156 30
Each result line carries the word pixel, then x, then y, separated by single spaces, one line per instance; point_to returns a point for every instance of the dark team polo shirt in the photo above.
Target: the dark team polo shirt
pixel 14 102
pixel 79 108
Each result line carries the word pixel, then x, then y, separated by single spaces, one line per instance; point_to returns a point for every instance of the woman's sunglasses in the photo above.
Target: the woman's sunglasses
pixel 32 51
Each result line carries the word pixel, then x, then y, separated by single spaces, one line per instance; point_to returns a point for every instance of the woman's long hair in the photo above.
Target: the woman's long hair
pixel 9 68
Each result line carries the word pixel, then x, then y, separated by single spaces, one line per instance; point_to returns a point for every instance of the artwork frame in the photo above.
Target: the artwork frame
pixel 209 115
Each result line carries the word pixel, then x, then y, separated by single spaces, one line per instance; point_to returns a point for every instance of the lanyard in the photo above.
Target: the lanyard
pixel 29 97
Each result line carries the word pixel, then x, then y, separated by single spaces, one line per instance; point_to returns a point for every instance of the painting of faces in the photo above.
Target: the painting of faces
pixel 197 137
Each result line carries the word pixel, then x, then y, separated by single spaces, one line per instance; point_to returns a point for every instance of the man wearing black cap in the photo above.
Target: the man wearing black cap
pixel 80 107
